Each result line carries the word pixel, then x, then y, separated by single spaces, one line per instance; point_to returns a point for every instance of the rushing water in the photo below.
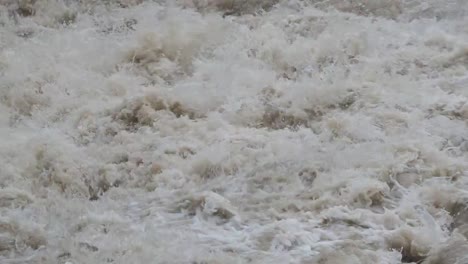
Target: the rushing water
pixel 234 131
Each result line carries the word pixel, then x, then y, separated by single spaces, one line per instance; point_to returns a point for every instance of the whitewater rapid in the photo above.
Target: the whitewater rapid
pixel 234 131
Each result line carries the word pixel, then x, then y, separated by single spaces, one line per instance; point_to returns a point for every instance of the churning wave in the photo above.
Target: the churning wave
pixel 234 131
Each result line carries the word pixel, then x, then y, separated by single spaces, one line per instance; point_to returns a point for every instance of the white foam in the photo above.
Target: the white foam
pixel 233 131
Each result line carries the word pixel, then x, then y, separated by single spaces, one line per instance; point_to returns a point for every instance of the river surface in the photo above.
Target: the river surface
pixel 234 131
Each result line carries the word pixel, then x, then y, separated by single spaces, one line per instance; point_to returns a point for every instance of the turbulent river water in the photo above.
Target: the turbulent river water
pixel 234 131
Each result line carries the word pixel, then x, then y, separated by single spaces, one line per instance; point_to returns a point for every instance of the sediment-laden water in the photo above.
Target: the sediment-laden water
pixel 234 131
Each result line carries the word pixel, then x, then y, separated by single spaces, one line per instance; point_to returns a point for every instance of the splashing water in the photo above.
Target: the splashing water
pixel 233 131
